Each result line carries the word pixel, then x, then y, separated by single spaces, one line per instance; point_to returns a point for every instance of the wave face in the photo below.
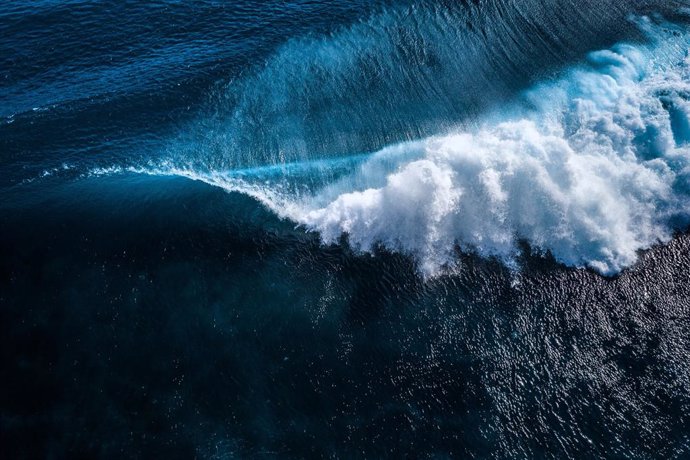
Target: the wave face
pixel 591 167
pixel 412 70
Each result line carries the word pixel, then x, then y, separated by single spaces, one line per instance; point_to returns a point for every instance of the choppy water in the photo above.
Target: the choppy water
pixel 344 229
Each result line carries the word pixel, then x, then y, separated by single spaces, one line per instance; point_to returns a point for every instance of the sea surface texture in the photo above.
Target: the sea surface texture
pixel 344 229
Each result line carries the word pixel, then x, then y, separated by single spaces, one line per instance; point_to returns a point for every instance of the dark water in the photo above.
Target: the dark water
pixel 147 315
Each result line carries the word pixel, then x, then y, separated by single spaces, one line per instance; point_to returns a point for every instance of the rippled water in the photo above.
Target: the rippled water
pixel 344 229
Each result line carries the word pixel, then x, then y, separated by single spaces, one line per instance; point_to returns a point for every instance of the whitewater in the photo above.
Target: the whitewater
pixel 591 167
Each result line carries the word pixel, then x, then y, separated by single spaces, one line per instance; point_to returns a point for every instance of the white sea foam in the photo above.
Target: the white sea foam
pixel 592 168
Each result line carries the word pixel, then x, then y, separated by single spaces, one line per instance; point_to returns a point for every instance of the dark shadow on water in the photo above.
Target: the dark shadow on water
pixel 190 322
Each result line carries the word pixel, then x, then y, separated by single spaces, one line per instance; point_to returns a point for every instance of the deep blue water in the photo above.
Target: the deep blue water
pixel 362 229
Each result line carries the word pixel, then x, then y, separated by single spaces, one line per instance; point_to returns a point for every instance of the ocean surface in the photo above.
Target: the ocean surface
pixel 344 229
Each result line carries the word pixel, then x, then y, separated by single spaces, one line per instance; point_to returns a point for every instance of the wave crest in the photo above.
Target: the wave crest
pixel 592 168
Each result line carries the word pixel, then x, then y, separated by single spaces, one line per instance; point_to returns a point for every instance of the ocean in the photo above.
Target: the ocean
pixel 345 229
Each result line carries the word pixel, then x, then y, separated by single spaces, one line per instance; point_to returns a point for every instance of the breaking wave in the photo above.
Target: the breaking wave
pixel 591 168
